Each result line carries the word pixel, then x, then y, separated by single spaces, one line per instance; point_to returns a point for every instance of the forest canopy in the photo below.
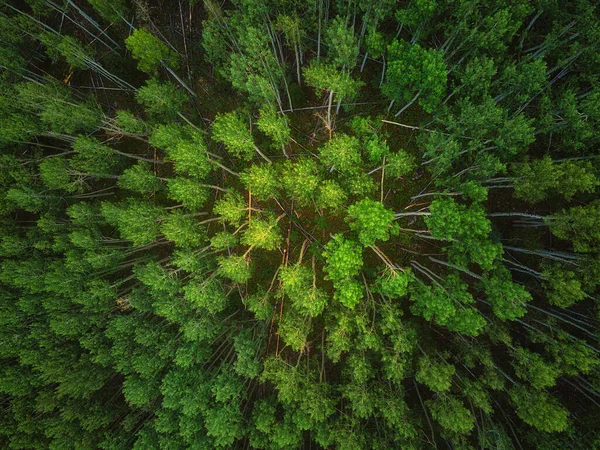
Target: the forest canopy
pixel 268 224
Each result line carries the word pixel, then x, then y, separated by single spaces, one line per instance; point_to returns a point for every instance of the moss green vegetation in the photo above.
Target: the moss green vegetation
pixel 267 224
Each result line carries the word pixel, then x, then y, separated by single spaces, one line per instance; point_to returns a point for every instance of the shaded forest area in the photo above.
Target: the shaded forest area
pixel 287 224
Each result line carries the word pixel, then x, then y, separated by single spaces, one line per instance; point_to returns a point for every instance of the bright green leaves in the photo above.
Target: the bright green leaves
pixel 274 126
pixel 262 180
pixel 468 227
pixel 326 77
pixel 236 268
pixel 232 131
pixel 136 220
pixel 232 208
pixel 188 191
pixel 394 284
pixel 139 178
pixel 92 157
pixel 182 229
pixel 149 51
pixel 413 70
pixel 262 233
pixel 343 259
pixel 531 367
pixel 372 221
pixel 301 180
pixel 539 409
pixel 127 121
pixel 342 153
pixel 507 298
pixel 343 262
pixel 349 292
pixel 445 220
pixel 161 100
pixel 206 294
pixel 436 375
pixel 451 414
pixel 312 400
pixel 190 158
pixel 299 284
pixel 55 174
pixel 331 197
pixel 448 305
pixel 223 240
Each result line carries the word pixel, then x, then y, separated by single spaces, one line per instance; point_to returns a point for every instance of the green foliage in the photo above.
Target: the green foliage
pixel 207 294
pixel 331 197
pixel 128 122
pixel 232 208
pixel 508 299
pixel 343 262
pixel 342 153
pixel 326 77
pixel 136 220
pixel 236 268
pixel 399 164
pixel 223 240
pixel 394 284
pixel 190 158
pixel 415 70
pixel 139 178
pixel 150 51
pixel 182 229
pixel 343 259
pixel 162 290
pixel 436 375
pixel 54 104
pixel 451 414
pixel 274 126
pixel 535 180
pixel 262 180
pixel 448 305
pixel 469 227
pixel 578 225
pixel 68 47
pixel 92 157
pixel 372 222
pixel 161 100
pixel 188 191
pixel 539 409
pixel 55 174
pixel 301 179
pixel 343 45
pixel 563 289
pixel 531 367
pixel 262 233
pixel 231 130
pixel 299 284
pixel 111 10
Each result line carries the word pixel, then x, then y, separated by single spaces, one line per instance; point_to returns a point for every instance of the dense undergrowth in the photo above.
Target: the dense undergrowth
pixel 277 224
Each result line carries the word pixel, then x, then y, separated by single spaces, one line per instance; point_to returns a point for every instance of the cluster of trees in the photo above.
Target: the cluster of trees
pixel 278 225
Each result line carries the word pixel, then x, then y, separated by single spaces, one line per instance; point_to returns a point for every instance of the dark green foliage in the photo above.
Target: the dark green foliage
pixel 240 246
pixel 413 70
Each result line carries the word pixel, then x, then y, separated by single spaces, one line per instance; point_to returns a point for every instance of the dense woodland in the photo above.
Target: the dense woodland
pixel 291 224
